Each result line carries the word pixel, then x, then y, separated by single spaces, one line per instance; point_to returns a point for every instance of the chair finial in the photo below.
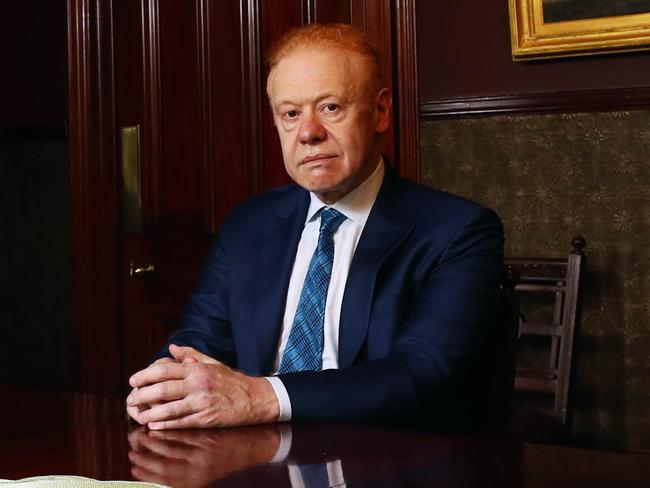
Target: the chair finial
pixel 577 244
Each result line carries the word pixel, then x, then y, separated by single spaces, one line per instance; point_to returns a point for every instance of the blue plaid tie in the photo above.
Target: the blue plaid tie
pixel 304 349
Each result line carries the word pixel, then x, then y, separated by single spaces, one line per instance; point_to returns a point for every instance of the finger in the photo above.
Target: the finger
pixel 191 438
pixel 130 407
pixel 189 360
pixel 167 411
pixel 169 478
pixel 188 422
pixel 139 473
pixel 154 395
pixel 182 352
pixel 151 465
pixel 200 439
pixel 155 373
pixel 135 437
pixel 161 361
pixel 167 448
pixel 134 412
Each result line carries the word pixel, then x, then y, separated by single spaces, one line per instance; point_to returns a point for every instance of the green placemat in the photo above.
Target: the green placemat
pixel 74 482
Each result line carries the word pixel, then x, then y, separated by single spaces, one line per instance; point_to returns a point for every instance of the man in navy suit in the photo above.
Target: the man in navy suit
pixel 398 328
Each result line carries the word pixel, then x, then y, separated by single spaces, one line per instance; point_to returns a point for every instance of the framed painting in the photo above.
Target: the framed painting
pixel 560 28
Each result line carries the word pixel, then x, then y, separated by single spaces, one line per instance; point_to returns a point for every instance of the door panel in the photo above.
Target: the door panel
pixel 185 92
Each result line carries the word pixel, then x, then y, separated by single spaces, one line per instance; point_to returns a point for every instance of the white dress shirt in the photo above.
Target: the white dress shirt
pixel 333 469
pixel 356 206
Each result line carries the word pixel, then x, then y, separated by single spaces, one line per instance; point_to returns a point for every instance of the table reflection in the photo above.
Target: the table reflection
pixel 317 456
pixel 195 458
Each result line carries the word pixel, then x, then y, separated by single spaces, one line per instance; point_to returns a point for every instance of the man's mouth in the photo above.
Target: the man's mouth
pixel 316 157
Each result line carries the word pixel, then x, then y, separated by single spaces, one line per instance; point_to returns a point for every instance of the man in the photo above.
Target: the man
pixel 353 295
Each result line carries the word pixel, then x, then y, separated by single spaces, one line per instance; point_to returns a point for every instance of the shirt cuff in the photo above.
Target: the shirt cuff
pixel 282 396
pixel 285 444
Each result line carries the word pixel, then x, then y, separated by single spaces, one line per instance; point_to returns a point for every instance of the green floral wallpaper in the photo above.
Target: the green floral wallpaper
pixel 550 177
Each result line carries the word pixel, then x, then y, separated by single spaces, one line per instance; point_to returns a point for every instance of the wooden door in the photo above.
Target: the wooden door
pixel 179 90
pixel 190 76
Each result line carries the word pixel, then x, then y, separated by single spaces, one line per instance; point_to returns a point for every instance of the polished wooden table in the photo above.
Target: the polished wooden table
pixel 86 435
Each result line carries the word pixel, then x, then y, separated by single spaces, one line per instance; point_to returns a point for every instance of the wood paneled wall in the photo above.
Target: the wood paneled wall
pixel 465 68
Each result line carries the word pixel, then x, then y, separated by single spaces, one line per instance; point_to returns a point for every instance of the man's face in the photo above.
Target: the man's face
pixel 328 123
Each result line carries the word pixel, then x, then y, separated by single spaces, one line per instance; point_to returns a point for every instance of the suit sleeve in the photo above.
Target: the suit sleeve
pixel 434 367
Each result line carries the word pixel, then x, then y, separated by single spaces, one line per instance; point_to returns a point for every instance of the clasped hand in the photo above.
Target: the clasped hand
pixel 193 390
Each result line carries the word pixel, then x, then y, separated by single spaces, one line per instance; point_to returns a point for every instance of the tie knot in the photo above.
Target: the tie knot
pixel 330 220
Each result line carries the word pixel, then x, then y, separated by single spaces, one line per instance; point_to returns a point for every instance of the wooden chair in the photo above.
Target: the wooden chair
pixel 549 376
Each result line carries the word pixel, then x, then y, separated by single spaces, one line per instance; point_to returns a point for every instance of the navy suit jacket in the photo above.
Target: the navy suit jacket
pixel 419 313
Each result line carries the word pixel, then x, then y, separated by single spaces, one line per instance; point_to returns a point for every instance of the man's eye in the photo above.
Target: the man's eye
pixel 290 114
pixel 331 107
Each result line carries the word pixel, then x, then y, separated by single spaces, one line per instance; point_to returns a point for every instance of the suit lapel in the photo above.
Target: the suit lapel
pixel 280 238
pixel 387 226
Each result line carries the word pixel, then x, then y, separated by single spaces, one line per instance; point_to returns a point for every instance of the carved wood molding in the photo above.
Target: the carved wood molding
pixel 308 9
pixel 253 91
pixel 584 101
pixel 93 183
pixel 206 82
pixel 375 18
pixel 407 119
pixel 152 148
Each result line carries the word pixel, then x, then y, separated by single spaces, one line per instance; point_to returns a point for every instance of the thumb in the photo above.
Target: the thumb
pixel 187 355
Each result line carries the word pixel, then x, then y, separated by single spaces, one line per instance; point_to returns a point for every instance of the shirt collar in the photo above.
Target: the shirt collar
pixel 357 204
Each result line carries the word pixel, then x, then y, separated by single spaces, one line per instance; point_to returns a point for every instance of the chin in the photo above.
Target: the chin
pixel 321 183
pixel 339 188
pixel 319 188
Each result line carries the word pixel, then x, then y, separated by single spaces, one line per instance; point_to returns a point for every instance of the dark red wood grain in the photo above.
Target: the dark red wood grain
pixel 276 18
pixel 93 197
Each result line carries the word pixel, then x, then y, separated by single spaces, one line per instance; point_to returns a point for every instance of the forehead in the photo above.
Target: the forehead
pixel 314 72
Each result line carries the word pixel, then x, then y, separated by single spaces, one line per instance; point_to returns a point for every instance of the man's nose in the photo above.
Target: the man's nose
pixel 311 130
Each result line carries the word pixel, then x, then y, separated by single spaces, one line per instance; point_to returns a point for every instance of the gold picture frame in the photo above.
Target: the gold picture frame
pixel 533 38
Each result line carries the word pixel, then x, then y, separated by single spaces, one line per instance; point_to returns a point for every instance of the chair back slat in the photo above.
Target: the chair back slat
pixel 540 329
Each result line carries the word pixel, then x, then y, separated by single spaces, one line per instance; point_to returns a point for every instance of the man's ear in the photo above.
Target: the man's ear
pixel 383 107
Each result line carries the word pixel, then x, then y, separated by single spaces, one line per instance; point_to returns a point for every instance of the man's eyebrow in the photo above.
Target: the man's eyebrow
pixel 283 102
pixel 316 99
